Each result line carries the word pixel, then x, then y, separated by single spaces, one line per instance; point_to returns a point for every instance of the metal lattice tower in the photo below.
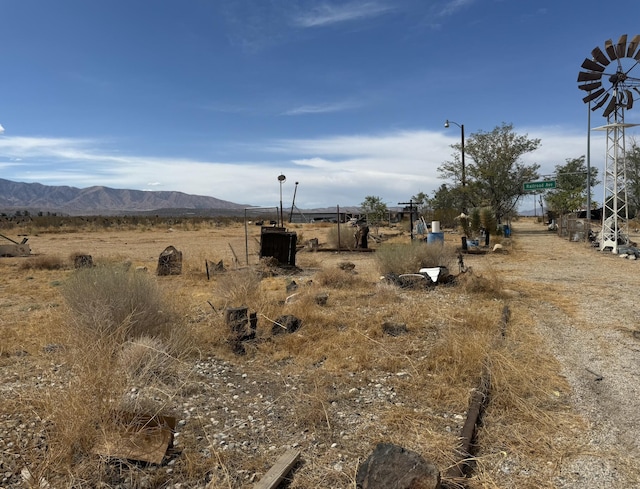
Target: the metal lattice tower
pixel 615 210
pixel 617 96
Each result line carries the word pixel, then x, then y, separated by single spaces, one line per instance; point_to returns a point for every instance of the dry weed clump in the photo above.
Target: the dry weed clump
pixel 402 258
pixel 43 262
pixel 340 239
pixel 108 300
pixel 239 288
pixel 339 279
pixel 124 353
pixel 488 284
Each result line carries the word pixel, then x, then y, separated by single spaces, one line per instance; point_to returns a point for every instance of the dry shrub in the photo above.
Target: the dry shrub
pixel 338 279
pixel 43 262
pixel 110 300
pixel 346 239
pixel 402 258
pixel 239 287
pixel 488 284
pixel 144 361
pixel 124 350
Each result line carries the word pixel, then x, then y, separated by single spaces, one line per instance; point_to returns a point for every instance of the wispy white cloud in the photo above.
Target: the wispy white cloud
pixel 326 14
pixel 1 129
pixel 331 170
pixel 322 108
pixel 451 7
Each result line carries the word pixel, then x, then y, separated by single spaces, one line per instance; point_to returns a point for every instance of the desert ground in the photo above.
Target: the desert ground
pixel 562 411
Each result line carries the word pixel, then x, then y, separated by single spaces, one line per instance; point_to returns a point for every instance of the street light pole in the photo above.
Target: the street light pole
pixel 463 176
pixel 281 179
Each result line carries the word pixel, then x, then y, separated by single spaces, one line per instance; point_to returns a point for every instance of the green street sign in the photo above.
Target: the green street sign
pixel 547 184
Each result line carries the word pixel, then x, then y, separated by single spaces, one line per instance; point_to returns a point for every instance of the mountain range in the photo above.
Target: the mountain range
pixel 98 200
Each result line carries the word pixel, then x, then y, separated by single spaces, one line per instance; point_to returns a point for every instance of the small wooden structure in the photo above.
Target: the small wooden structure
pixel 279 244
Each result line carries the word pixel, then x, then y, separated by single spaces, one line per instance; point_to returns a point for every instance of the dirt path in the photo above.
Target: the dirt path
pixel 584 302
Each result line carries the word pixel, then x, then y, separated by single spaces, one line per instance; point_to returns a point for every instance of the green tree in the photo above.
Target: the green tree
pixel 445 204
pixel 375 209
pixel 422 202
pixel 495 174
pixel 632 167
pixel 570 193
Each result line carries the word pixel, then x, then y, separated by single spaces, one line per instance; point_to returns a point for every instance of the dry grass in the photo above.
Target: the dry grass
pixel 410 257
pixel 337 380
pixel 43 262
pixel 113 300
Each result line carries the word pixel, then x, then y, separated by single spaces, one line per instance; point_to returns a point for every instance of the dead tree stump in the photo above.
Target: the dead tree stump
pixel 242 327
pixel 170 262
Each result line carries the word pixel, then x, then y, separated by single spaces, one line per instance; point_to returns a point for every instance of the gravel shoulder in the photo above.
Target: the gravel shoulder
pixel 587 312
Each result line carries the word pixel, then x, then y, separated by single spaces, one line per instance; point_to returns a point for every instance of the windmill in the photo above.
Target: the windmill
pixel 608 81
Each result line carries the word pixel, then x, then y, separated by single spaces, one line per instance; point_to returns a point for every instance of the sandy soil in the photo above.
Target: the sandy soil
pixel 581 301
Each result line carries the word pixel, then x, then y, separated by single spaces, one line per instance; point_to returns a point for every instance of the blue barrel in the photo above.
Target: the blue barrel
pixel 435 238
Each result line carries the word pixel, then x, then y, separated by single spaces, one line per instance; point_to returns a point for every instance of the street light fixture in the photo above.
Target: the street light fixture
pixel 281 179
pixel 463 177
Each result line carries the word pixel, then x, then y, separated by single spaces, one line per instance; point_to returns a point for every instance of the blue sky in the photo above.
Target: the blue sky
pixel 348 98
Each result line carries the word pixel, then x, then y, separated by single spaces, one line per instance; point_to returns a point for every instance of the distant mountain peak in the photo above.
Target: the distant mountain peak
pixel 102 200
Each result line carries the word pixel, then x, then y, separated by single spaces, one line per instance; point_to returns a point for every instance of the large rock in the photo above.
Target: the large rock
pixel 170 262
pixel 393 467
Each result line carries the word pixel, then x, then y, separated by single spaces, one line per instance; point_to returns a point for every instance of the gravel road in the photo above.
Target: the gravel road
pixel 590 321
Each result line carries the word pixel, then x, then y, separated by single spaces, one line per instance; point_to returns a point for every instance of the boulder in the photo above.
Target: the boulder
pixel 393 467
pixel 169 262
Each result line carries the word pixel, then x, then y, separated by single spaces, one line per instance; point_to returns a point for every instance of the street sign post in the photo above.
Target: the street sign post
pixel 545 185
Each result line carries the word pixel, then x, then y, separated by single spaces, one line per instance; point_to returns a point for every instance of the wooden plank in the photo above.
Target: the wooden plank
pixel 282 466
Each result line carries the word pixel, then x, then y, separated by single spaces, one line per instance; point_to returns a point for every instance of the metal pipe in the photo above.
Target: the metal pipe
pixel 463 172
pixel 293 203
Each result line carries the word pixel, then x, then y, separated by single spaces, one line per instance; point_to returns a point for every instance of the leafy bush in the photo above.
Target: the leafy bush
pixel 488 219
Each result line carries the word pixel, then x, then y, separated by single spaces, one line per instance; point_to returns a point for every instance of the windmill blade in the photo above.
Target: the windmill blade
pixel 610 49
pixel 599 56
pixel 588 76
pixel 601 103
pixel 621 47
pixel 610 106
pixel 629 99
pixel 590 86
pixel 593 95
pixel 633 45
pixel 589 64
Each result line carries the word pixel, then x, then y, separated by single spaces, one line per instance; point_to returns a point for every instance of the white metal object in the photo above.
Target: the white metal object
pixel 433 273
pixel 615 210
